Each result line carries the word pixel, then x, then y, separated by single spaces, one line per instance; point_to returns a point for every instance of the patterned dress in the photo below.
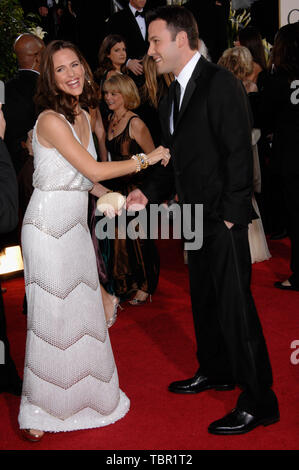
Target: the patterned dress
pixel 70 377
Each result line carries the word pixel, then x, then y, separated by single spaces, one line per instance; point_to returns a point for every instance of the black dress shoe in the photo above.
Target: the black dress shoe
pixel 279 235
pixel 280 285
pixel 198 383
pixel 240 422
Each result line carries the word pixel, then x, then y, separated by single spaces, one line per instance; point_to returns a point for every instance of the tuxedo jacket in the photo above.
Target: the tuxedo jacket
pixel 124 23
pixel 211 153
pixel 20 113
pixel 212 19
pixel 8 192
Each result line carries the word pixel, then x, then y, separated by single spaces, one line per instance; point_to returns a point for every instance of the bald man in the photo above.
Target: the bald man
pixel 28 48
pixel 19 110
pixel 10 382
pixel 20 115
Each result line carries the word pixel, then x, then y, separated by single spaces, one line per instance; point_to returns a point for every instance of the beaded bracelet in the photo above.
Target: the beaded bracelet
pixel 138 164
pixel 143 160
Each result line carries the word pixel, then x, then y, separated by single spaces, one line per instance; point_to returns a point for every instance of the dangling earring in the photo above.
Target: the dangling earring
pixel 88 80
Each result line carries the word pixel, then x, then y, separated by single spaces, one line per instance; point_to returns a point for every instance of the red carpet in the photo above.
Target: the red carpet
pixel 154 345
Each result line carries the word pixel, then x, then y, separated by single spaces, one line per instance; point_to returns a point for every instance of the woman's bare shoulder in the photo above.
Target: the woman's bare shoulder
pixel 50 118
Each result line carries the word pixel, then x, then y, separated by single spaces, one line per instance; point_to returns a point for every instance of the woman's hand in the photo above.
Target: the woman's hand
pixel 159 154
pixel 250 86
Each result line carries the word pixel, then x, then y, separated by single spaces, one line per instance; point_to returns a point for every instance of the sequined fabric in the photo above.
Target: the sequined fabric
pixel 70 377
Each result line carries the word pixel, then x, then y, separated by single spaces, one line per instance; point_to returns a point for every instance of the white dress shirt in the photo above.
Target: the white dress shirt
pixel 183 79
pixel 140 20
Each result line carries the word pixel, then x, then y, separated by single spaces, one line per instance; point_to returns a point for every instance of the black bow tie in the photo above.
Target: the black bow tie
pixel 139 13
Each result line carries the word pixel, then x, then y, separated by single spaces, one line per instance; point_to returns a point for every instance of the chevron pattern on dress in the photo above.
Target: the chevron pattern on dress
pixel 52 231
pixel 89 393
pixel 56 289
pixel 61 323
pixel 87 356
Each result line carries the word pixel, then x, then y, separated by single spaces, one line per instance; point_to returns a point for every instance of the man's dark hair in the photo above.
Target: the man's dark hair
pixel 177 19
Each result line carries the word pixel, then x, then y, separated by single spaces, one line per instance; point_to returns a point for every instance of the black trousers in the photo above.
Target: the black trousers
pixel 8 371
pixel 230 341
pixel 291 194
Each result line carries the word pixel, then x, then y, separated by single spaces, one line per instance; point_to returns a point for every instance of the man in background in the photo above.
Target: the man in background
pixel 19 110
pixel 9 379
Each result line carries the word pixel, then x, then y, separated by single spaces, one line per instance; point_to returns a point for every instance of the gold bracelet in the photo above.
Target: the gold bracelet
pixel 138 164
pixel 143 160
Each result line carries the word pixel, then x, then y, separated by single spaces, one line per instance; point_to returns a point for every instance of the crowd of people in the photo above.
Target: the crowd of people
pixel 157 113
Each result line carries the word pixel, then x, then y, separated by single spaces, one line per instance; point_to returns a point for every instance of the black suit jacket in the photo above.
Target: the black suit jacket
pixel 279 115
pixel 211 150
pixel 20 114
pixel 8 192
pixel 124 23
pixel 212 21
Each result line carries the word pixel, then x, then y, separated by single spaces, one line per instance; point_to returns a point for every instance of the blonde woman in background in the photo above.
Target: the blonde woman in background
pixel 238 60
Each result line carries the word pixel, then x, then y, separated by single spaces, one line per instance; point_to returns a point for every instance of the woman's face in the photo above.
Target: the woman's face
pixel 118 54
pixel 68 72
pixel 114 100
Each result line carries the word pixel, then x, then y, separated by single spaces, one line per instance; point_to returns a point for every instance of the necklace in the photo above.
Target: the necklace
pixel 116 121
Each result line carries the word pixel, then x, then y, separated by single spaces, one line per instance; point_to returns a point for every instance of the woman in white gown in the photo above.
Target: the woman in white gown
pixel 70 378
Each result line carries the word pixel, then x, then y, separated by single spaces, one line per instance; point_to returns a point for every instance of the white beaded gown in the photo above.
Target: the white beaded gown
pixel 70 377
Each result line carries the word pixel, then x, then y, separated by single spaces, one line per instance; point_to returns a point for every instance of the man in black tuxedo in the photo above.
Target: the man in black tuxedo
pixel 265 17
pixel 19 109
pixel 9 379
pixel 20 115
pixel 205 124
pixel 51 14
pixel 212 20
pixel 130 24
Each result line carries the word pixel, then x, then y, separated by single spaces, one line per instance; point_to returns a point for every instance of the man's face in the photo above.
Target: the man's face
pixel 163 49
pixel 138 4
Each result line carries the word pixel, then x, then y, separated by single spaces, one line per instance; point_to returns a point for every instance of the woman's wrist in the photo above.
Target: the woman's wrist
pixel 142 161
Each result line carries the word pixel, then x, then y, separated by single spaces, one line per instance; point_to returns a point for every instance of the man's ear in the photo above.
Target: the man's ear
pixel 181 39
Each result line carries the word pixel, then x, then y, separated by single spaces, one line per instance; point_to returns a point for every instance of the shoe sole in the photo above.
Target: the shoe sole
pixel 264 422
pixel 218 388
pixel 27 436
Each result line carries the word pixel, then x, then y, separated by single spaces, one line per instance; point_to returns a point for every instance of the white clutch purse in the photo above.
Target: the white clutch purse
pixel 110 200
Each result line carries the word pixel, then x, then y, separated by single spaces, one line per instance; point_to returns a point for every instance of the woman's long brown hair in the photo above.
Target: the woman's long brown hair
pixel 49 96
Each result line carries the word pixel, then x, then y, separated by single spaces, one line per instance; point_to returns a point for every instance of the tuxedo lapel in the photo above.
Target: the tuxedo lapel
pixel 193 84
pixel 134 25
pixel 164 112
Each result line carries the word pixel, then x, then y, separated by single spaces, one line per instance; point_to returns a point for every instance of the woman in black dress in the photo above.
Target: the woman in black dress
pixel 280 105
pixel 112 58
pixel 133 264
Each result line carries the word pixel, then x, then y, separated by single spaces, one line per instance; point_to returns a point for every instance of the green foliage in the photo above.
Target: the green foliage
pixel 12 24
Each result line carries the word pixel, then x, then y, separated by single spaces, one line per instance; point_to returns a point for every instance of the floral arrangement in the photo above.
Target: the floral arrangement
pixel 267 48
pixel 237 20
pixel 37 31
